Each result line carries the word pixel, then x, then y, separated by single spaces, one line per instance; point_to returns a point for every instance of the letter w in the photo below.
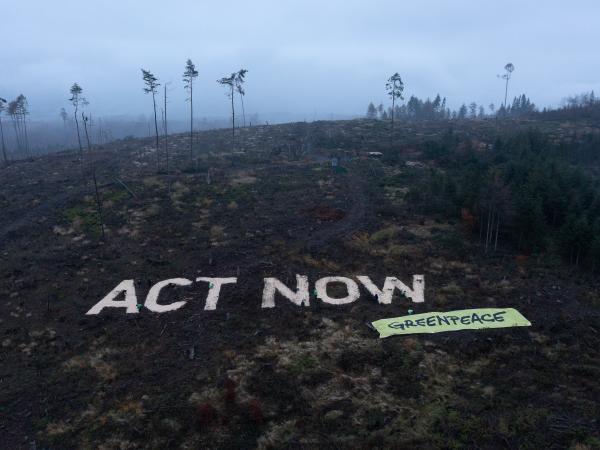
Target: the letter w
pixel 416 294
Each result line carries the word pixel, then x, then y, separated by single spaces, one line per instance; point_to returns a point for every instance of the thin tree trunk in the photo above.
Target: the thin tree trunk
pixel 243 110
pixel 232 120
pixel 17 132
pixel 166 132
pixel 191 119
pixel 393 107
pixel 497 230
pixel 480 226
pixel 3 144
pixel 79 140
pixel 156 130
pixel 505 94
pixel 99 136
pixel 487 234
pixel 244 118
pixel 98 202
pixel 26 136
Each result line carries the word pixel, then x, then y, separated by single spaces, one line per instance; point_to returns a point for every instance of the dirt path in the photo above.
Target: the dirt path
pixel 355 219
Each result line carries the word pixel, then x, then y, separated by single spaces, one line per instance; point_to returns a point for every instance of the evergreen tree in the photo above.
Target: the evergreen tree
pixel 473 110
pixel 240 79
pixel 229 83
pixel 19 110
pixel 508 70
pixel 151 86
pixel 189 75
pixel 394 88
pixel 77 100
pixel 371 111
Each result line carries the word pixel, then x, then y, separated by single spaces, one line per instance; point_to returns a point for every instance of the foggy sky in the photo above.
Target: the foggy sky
pixel 307 57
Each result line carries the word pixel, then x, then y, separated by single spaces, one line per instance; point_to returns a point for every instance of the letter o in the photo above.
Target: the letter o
pixel 351 286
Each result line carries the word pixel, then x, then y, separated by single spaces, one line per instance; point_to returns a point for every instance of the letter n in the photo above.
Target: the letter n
pixel 300 297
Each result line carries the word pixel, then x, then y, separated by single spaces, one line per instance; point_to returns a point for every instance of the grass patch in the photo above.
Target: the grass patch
pixel 239 194
pixel 115 196
pixel 84 218
pixel 302 365
pixel 384 235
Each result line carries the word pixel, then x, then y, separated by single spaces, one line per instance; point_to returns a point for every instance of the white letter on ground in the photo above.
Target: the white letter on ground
pixel 300 297
pixel 417 294
pixel 351 286
pixel 152 297
pixel 109 301
pixel 214 290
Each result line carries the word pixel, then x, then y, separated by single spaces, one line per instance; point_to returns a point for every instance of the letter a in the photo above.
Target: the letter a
pixel 109 301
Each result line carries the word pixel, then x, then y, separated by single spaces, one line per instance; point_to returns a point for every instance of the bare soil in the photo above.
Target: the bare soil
pixel 289 377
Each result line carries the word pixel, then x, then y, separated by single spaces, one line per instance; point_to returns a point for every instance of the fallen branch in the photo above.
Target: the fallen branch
pixel 125 187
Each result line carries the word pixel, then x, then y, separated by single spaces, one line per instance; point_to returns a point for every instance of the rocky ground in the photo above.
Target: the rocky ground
pixel 287 377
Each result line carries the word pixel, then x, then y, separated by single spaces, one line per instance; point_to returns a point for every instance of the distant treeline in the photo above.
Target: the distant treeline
pixel 583 106
pixel 579 106
pixel 436 109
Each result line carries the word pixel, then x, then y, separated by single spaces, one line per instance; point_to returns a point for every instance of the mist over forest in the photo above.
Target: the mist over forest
pixel 303 65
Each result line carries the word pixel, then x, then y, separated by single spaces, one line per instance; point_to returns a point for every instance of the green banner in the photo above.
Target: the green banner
pixel 465 319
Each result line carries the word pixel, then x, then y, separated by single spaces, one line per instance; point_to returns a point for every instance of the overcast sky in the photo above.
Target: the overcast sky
pixel 303 56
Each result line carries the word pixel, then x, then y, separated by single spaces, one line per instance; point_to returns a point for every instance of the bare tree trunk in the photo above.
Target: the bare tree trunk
pixel 166 132
pixel 506 94
pixel 26 136
pixel 243 109
pixel 497 230
pixel 232 120
pixel 191 119
pixel 393 107
pixel 99 137
pixel 480 226
pixel 17 131
pixel 156 130
pixel 3 144
pixel 79 141
pixel 488 231
pixel 98 202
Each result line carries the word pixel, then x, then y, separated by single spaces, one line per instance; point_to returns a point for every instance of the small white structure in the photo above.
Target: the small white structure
pixel 416 164
pixel 374 154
